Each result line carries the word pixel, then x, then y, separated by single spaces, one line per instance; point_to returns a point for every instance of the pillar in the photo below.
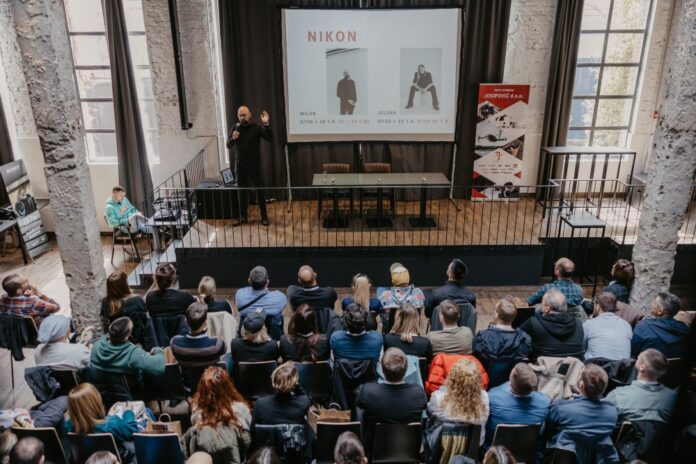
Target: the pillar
pixel 672 163
pixel 47 60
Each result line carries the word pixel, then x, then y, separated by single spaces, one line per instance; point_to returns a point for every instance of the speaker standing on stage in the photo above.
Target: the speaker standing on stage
pixel 246 137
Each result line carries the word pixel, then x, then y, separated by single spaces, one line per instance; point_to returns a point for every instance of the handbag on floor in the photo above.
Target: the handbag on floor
pixel 331 414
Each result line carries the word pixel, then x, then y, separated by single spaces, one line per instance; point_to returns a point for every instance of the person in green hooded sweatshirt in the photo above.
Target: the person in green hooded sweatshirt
pixel 114 353
pixel 120 212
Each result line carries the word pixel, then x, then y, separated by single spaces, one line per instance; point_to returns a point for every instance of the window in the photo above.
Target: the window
pixel 610 61
pixel 93 76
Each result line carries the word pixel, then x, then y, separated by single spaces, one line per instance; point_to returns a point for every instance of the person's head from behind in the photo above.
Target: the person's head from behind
pixel 120 330
pixel 406 322
pixel 303 321
pixel 306 277
pixel 355 319
pixel 394 365
pixel 651 365
pixel 593 381
pixel 197 317
pixel 102 457
pixel 505 312
pixel 118 193
pixel 449 314
pixel 264 455
pixel 214 397
pixel 85 408
pixel 554 301
pixel 623 272
pixel 564 268
pixel 284 378
pixel 400 276
pixel 258 278
pixel 361 289
pixel 665 305
pixel 498 455
pixel 165 276
pixel 349 450
pixel 605 302
pixel 463 391
pixel 254 327
pixel 15 284
pixel 244 115
pixel 54 329
pixel 28 450
pixel 523 380
pixel 456 270
pixel 117 286
pixel 207 289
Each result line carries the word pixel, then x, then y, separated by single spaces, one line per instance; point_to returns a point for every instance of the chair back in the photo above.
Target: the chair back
pixel 315 379
pixel 66 379
pixel 520 440
pixel 165 387
pixel 327 321
pixel 424 367
pixel 336 168
pixel 253 379
pixel 397 443
pixel 32 332
pixel 288 440
pixel 327 436
pixel 467 317
pixel 523 314
pixel 224 326
pixel 112 387
pixel 561 456
pixel 158 447
pixel 83 446
pixel 192 374
pixel 53 448
pixel 348 375
pixel 377 168
pixel 167 326
pixel 676 370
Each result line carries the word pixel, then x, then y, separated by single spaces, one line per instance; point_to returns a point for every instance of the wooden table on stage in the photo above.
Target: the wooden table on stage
pixel 378 182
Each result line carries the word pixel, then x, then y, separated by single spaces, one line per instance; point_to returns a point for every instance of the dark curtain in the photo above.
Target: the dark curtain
pixel 133 167
pixel 252 68
pixel 564 55
pixel 6 153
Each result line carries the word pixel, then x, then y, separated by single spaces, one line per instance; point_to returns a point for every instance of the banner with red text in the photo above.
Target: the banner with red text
pixel 500 129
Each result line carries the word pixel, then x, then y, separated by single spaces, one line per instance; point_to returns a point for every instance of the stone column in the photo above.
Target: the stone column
pixel 47 59
pixel 672 164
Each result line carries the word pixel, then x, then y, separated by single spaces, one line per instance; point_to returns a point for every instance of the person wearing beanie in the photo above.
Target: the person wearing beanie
pixel 55 351
pixel 401 292
pixel 255 345
pixel 453 290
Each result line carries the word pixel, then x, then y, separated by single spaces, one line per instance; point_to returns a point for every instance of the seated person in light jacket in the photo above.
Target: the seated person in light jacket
pixel 55 351
pixel 452 338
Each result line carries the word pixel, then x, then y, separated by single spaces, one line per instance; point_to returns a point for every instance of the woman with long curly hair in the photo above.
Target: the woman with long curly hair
pixel 461 399
pixel 221 419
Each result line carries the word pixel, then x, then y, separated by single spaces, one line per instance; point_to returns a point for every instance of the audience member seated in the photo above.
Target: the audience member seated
pixel 309 292
pixel 452 338
pixel 349 450
pixel 497 455
pixel 302 343
pixel 400 293
pixel 563 270
pixel 220 419
pixel 517 401
pixel 196 348
pixel 263 455
pixel 201 457
pixel 662 332
pixel 622 273
pixel 361 295
pixel 23 299
pixel 167 300
pixel 606 335
pixel 54 349
pixel 28 450
pixel 114 353
pixel 255 345
pixel 289 405
pixel 86 415
pixel 646 398
pixel 501 345
pixel 121 301
pixel 7 442
pixel 119 211
pixel 258 296
pixel 207 289
pixel 453 290
pixel 584 424
pixel 392 401
pixel 461 399
pixel 404 334
pixel 102 457
pixel 554 332
pixel 356 342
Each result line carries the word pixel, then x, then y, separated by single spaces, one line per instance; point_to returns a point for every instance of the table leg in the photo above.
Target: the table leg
pixel 422 220
pixel 379 221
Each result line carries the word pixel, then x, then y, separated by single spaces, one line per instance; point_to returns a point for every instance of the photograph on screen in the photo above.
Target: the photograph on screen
pixel 346 79
pixel 421 71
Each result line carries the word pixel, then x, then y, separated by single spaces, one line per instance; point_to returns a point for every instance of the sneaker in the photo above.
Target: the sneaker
pixel 238 222
pixel 408 107
pixel 264 222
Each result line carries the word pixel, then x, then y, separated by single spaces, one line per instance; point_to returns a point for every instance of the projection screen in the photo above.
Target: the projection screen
pixel 353 75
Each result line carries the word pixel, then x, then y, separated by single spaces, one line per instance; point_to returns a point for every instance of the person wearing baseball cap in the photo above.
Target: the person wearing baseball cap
pixel 453 290
pixel 401 292
pixel 255 345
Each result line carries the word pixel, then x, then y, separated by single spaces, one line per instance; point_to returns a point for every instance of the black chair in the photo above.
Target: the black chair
pixel 276 437
pixel 158 447
pixel 112 387
pixel 17 333
pixel 121 235
pixel 67 380
pixel 523 314
pixel 327 436
pixel 387 193
pixel 467 317
pixel 561 456
pixel 315 379
pixel 83 446
pixel 53 448
pixel 424 367
pixel 397 443
pixel 335 194
pixel 164 387
pixel 327 321
pixel 348 375
pixel 192 374
pixel 520 440
pixel 676 370
pixel 253 379
pixel 167 326
pixel 445 439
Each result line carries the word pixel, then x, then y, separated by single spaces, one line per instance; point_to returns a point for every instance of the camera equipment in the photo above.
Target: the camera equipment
pixel 7 214
pixel 25 205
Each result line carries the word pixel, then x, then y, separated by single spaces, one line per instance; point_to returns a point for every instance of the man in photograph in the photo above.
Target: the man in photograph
pixel 345 91
pixel 423 82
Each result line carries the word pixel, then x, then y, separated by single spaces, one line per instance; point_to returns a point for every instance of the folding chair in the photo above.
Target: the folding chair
pixel 520 440
pixel 83 446
pixel 327 435
pixel 397 443
pixel 253 379
pixel 53 448
pixel 158 447
pixel 24 332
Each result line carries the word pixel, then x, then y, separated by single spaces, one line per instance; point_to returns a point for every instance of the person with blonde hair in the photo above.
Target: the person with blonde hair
pixel 288 405
pixel 86 415
pixel 255 345
pixel 102 457
pixel 404 334
pixel 461 399
pixel 361 294
pixel 206 293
